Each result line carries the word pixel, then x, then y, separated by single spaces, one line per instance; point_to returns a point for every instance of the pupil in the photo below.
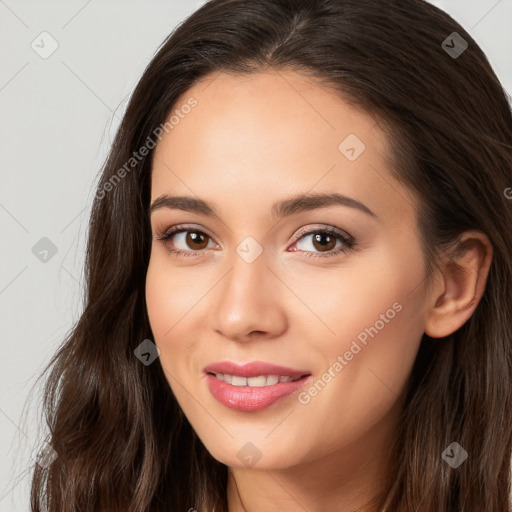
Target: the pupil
pixel 195 238
pixel 320 238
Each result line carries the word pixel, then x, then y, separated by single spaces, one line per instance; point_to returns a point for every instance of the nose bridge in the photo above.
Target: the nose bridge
pixel 249 276
pixel 248 298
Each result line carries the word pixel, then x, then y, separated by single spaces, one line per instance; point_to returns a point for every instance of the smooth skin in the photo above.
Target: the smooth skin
pixel 251 141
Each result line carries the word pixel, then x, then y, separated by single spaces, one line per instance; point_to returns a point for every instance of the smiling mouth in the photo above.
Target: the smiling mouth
pixel 255 382
pixel 256 392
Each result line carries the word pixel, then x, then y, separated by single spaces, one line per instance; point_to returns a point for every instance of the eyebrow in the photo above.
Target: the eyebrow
pixel 295 204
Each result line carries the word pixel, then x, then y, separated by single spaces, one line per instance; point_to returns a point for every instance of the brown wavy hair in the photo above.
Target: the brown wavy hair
pixel 123 443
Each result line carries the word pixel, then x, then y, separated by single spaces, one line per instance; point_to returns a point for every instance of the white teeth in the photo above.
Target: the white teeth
pixel 257 382
pixel 272 379
pixel 238 381
pixel 254 382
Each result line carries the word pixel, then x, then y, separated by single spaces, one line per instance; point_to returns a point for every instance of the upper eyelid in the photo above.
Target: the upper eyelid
pixel 309 231
pixel 178 228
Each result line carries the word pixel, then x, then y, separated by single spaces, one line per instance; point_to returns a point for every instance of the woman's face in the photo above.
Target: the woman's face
pixel 261 281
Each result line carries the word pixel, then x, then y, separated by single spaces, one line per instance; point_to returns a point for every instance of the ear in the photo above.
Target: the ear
pixel 461 285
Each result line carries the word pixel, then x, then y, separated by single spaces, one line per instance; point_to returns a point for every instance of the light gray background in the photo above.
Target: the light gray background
pixel 57 120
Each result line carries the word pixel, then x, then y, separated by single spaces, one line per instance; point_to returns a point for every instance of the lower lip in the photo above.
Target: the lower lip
pixel 250 399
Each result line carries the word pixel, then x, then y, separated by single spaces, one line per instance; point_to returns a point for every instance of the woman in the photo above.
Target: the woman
pixel 298 274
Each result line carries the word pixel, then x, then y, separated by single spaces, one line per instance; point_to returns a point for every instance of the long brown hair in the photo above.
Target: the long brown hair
pixel 122 441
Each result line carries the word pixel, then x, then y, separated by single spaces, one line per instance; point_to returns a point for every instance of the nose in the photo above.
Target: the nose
pixel 249 302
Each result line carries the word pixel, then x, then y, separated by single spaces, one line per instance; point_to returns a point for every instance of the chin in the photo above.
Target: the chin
pixel 259 455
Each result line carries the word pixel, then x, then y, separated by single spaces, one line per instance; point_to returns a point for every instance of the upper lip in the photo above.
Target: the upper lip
pixel 253 369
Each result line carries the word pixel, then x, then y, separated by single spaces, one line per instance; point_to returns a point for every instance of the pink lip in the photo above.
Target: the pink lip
pixel 252 399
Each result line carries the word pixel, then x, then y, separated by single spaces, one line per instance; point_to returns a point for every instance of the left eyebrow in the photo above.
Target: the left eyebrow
pixel 305 202
pixel 295 204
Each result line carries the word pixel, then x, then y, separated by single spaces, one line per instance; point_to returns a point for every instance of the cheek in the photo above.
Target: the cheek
pixel 365 371
pixel 159 299
pixel 377 318
pixel 375 294
pixel 171 295
pixel 168 298
pixel 177 307
pixel 164 306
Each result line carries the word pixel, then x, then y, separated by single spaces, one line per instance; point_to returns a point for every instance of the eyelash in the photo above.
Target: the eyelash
pixel 348 241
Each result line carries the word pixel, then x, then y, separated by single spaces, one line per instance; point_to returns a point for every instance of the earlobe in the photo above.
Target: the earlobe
pixel 462 284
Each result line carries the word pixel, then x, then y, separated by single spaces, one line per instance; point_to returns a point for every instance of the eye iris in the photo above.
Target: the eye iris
pixel 194 237
pixel 324 245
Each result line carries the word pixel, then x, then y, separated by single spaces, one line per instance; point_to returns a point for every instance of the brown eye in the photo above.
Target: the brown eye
pixel 196 240
pixel 185 241
pixel 324 242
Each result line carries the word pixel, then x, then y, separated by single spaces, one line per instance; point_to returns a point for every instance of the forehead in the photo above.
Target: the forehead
pixel 268 135
pixel 271 108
